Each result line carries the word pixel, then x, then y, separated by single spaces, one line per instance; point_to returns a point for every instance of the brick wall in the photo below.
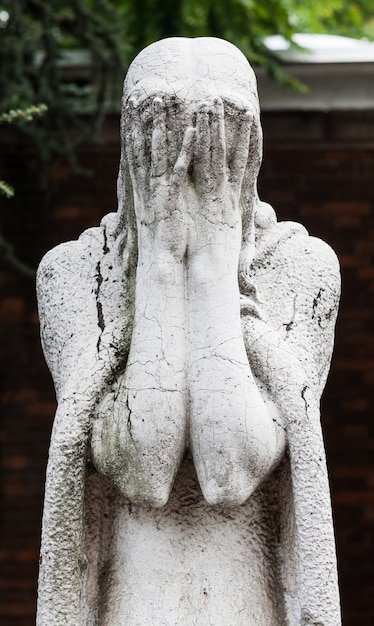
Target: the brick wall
pixel 319 170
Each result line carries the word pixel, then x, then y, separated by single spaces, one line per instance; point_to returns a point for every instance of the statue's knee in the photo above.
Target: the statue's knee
pixel 232 494
pixel 143 491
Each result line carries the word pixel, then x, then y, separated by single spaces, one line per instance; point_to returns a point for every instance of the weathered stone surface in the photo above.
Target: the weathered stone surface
pixel 189 338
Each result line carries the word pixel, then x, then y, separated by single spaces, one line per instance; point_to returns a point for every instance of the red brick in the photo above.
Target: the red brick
pixel 12 310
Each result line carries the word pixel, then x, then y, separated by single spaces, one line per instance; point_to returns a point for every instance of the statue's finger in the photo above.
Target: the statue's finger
pixel 255 151
pixel 158 142
pixel 217 139
pixel 202 143
pixel 240 153
pixel 136 140
pixel 185 157
pixel 133 137
pixel 127 129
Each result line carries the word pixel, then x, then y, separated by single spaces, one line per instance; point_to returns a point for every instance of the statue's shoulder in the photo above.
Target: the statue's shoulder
pixel 298 282
pixel 304 259
pixel 67 261
pixel 79 290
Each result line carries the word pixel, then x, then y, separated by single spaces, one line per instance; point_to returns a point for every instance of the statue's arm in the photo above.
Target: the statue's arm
pixel 297 279
pixel 66 303
pixel 290 350
pixel 82 349
pixel 83 302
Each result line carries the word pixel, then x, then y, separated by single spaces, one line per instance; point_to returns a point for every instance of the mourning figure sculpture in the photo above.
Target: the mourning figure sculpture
pixel 189 337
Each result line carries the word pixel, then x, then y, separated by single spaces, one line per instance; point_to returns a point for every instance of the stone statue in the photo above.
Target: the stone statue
pixel 189 338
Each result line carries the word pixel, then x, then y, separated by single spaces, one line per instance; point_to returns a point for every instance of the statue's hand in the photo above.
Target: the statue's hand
pixel 220 159
pixel 158 172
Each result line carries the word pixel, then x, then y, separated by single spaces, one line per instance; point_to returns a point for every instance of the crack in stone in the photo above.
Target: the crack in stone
pixel 315 303
pixel 99 306
pixel 304 398
pixel 99 280
pixel 128 422
pixel 105 246
pixel 290 324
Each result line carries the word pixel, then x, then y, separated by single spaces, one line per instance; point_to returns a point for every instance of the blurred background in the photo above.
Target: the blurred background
pixel 61 73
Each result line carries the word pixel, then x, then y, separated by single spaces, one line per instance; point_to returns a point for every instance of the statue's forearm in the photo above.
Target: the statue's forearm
pixel 62 552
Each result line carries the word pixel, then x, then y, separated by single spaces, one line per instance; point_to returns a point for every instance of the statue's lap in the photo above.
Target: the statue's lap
pixel 188 561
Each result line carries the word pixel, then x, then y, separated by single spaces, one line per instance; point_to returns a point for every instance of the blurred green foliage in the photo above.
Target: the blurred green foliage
pixel 35 35
pixel 350 18
pixel 11 117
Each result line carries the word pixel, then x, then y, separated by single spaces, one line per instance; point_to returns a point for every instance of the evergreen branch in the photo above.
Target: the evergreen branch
pixel 26 115
pixel 6 189
pixel 8 254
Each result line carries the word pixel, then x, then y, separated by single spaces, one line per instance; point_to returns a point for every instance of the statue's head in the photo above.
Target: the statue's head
pixel 192 70
pixel 189 71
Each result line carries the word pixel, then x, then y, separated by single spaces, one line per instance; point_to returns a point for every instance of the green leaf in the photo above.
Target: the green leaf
pixel 6 189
